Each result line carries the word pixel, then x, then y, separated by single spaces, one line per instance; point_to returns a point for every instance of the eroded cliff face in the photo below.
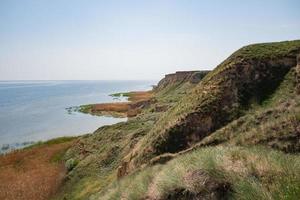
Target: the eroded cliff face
pixel 180 77
pixel 219 98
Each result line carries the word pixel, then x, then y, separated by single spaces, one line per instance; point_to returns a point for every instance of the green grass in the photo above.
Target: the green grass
pixel 273 123
pixel 85 108
pixel 58 157
pixel 262 51
pixel 107 146
pixel 284 92
pixel 99 155
pixel 221 97
pixel 269 50
pixel 119 94
pixel 58 140
pixel 253 173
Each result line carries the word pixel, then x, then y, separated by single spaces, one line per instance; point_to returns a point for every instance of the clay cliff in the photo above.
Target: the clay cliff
pixel 179 77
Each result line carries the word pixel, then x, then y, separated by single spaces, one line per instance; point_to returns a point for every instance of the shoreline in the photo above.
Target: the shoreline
pixel 41 115
pixel 36 161
pixel 137 100
pixel 16 147
pixel 124 109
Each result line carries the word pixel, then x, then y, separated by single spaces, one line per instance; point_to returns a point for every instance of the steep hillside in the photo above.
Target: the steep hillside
pixel 95 158
pixel 275 123
pixel 248 77
pixel 214 173
pixel 180 77
pixel 228 133
pixel 251 99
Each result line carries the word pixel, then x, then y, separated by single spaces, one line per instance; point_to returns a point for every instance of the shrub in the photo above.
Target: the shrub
pixel 71 164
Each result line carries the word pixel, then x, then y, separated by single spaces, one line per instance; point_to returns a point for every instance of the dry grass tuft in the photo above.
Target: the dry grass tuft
pixel 33 173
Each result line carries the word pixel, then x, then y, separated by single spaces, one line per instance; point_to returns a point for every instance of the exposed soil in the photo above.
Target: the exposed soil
pixel 34 173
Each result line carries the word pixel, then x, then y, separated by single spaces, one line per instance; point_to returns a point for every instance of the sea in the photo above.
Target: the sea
pixel 32 111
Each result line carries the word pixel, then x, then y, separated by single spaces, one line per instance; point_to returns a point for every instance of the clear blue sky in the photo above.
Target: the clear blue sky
pixel 77 39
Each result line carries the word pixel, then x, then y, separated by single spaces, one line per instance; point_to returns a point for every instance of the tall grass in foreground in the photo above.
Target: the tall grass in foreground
pixel 252 173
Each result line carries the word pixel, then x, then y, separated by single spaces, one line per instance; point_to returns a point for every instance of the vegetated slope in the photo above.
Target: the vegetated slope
pixel 274 124
pixel 36 172
pixel 214 173
pixel 94 159
pixel 211 131
pixel 247 77
pixel 259 103
pixel 180 77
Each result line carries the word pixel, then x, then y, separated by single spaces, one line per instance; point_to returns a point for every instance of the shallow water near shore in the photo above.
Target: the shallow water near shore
pixel 33 111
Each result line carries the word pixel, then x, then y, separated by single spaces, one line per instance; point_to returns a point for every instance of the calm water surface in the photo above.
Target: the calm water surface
pixel 36 110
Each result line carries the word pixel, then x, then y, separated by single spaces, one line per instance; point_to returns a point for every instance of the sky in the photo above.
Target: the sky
pixel 133 40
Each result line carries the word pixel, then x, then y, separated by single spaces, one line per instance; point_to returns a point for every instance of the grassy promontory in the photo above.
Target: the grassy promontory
pixel 136 101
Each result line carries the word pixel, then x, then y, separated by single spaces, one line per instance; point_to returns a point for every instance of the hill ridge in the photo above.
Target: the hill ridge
pixel 243 110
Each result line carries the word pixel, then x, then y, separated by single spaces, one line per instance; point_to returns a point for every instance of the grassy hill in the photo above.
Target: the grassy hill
pixel 232 134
